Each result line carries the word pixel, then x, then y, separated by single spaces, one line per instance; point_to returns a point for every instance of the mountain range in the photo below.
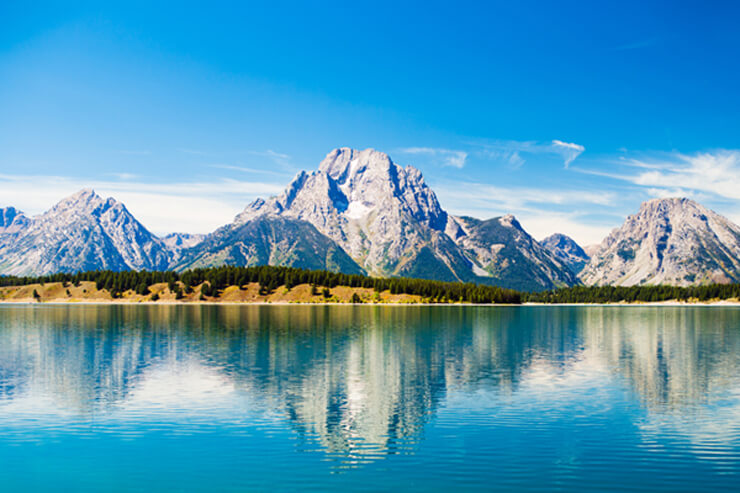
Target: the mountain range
pixel 360 212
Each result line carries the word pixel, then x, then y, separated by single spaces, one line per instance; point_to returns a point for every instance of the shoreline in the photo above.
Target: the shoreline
pixel 719 303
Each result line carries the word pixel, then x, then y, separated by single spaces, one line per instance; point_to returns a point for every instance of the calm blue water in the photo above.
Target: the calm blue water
pixel 209 398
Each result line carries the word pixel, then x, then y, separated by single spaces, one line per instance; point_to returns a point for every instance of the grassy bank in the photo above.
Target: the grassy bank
pixel 267 284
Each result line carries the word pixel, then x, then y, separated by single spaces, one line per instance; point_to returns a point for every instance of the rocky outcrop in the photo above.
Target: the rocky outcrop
pixel 669 241
pixel 12 221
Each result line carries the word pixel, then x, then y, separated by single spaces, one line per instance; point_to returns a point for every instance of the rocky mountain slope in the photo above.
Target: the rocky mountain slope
pixel 390 223
pixel 504 253
pixel 82 232
pixel 177 242
pixel 268 240
pixel 669 241
pixel 12 221
pixel 567 251
pixel 362 213
pixel 381 214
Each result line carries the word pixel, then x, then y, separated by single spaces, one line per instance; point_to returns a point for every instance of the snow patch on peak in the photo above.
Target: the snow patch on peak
pixel 357 210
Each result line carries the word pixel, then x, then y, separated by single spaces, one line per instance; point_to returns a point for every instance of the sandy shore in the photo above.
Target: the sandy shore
pixel 719 303
pixel 85 293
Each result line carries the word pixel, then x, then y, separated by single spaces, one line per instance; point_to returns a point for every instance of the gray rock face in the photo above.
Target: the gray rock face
pixel 506 255
pixel 390 222
pixel 12 220
pixel 358 213
pixel 82 232
pixel 567 251
pixel 177 242
pixel 669 241
pixel 268 240
pixel 384 216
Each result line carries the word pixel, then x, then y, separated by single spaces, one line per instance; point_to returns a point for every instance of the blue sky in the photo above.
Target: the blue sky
pixel 567 114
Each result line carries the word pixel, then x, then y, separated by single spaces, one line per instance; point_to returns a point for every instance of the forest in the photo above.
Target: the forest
pixel 630 294
pixel 215 279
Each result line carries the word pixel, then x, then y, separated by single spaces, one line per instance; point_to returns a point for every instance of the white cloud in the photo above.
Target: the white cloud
pixel 193 207
pixel 124 176
pixel 544 223
pixel 271 154
pixel 282 160
pixel 448 157
pixel 519 197
pixel 515 152
pixel 699 175
pixel 534 207
pixel 568 150
pixel 245 169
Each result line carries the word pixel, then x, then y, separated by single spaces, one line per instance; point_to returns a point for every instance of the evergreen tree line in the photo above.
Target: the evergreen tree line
pixel 616 294
pixel 215 279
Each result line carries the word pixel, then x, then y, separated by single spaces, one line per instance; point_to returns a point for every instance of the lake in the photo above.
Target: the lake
pixel 336 398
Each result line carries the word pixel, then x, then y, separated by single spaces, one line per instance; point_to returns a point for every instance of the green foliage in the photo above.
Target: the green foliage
pixel 154 297
pixel 616 294
pixel 215 279
pixel 355 298
pixel 269 278
pixel 36 295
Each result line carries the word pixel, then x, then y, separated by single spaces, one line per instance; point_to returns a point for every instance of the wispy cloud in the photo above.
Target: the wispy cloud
pixel 568 150
pixel 124 176
pixel 716 172
pixel 541 211
pixel 271 154
pixel 515 153
pixel 519 197
pixel 195 207
pixel 447 157
pixel 246 169
pixel 282 160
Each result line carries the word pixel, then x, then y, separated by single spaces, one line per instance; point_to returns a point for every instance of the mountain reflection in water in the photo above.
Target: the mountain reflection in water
pixel 360 383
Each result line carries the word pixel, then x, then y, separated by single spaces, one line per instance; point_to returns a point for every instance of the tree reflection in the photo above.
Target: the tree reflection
pixel 362 381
